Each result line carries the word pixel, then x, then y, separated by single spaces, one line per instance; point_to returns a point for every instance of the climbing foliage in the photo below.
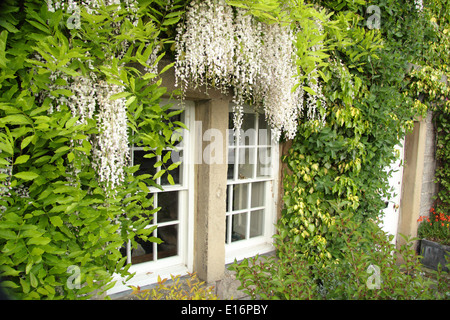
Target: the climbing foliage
pixel 78 87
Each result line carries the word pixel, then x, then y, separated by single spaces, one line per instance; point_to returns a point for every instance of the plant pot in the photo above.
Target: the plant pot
pixel 434 253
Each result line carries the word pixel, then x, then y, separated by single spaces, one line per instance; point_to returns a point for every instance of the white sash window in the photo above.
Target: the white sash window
pixel 251 188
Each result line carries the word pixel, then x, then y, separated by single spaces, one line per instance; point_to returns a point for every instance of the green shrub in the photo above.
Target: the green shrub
pixel 367 268
pixel 178 288
pixel 61 226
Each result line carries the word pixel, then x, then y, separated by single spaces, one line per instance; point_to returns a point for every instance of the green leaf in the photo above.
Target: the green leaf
pixel 159 174
pixel 25 285
pixel 309 90
pixel 70 157
pixel 62 149
pixel 3 60
pixel 26 175
pixel 22 159
pixel 170 179
pixel 39 26
pixel 167 67
pixel 69 71
pixel 130 100
pixel 143 187
pixel 26 141
pixel 174 165
pixel 33 280
pixel 71 122
pixel 56 221
pixel 120 95
pixel 9 284
pixel 39 241
pixel 16 119
pixel 7 234
pixel 167 156
pixel 37 251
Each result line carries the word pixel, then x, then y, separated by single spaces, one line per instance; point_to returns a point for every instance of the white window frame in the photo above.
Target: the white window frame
pixel 261 244
pixel 146 273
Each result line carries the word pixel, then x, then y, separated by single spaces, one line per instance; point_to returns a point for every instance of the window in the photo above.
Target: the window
pixel 252 171
pixel 173 220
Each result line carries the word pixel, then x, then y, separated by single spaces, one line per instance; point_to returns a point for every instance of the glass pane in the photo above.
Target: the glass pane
pixel 263 131
pixel 240 196
pixel 168 201
pixel 246 163
pixel 146 164
pixel 256 223
pixel 231 137
pixel 228 197
pixel 231 159
pixel 227 239
pixel 248 130
pixel 264 162
pixel 177 172
pixel 239 226
pixel 169 236
pixel 258 194
pixel 143 252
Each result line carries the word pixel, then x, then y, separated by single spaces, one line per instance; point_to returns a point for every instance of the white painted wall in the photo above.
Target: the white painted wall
pixel 391 213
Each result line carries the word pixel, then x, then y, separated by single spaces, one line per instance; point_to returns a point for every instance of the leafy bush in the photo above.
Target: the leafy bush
pixel 61 227
pixel 367 268
pixel 178 288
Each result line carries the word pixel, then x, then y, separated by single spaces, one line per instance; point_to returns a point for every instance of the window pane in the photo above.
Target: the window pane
pixel 231 137
pixel 176 173
pixel 146 164
pixel 246 163
pixel 258 195
pixel 240 196
pixel 231 161
pixel 168 201
pixel 248 130
pixel 227 240
pixel 239 226
pixel 228 197
pixel 263 131
pixel 143 252
pixel 256 223
pixel 264 162
pixel 169 236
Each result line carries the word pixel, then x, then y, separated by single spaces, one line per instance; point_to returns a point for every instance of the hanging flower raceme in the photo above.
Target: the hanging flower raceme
pixel 91 99
pixel 226 49
pixel 276 80
pixel 205 45
pixel 110 146
pixel 317 98
pixel 247 65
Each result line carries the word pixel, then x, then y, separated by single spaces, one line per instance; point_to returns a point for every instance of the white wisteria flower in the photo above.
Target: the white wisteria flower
pixel 110 146
pixel 219 47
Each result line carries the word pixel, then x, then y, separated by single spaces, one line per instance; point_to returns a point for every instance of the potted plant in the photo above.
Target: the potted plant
pixel 434 232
